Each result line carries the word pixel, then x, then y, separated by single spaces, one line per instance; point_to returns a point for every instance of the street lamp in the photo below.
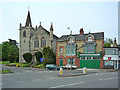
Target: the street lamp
pixel 70 31
pixel 70 49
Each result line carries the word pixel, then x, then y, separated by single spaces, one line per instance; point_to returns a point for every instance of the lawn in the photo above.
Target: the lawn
pixel 4 62
pixel 6 71
pixel 20 64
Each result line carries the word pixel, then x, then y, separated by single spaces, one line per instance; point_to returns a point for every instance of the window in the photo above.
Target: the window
pixel 111 52
pixel 36 43
pixel 61 50
pixel 70 40
pixel 71 61
pixel 89 38
pixel 88 58
pixel 70 49
pixel 43 42
pixel 89 49
pixel 24 33
pixel 96 58
pixel 82 58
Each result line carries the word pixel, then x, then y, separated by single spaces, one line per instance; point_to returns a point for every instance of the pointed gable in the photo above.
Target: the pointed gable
pixel 28 20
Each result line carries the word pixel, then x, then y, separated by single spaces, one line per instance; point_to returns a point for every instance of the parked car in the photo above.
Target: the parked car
pixel 63 66
pixel 51 67
pixel 68 66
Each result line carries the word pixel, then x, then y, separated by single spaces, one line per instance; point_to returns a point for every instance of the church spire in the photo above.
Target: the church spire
pixel 28 20
pixel 51 28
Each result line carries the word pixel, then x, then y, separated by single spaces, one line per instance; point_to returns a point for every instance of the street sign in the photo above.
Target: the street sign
pixel 41 59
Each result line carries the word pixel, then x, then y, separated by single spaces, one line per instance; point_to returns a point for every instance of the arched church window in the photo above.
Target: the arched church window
pixel 43 42
pixel 24 34
pixel 36 43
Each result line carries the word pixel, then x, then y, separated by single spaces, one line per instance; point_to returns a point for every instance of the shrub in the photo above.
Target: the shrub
pixel 38 56
pixel 11 58
pixel 47 61
pixel 27 57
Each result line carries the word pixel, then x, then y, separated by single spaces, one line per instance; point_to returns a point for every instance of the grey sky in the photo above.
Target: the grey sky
pixel 93 16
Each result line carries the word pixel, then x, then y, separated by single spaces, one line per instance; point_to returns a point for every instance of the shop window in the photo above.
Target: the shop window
pixel 88 58
pixel 82 58
pixel 96 58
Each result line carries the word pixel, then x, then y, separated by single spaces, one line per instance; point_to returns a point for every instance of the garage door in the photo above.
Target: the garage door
pixel 90 63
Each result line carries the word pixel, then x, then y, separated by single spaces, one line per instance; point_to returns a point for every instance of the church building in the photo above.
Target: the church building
pixel 35 39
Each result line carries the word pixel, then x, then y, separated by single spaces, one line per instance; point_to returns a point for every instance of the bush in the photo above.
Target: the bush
pixel 11 58
pixel 27 57
pixel 38 56
pixel 47 61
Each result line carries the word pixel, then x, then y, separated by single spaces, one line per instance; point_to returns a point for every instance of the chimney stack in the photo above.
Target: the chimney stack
pixel 115 43
pixel 81 31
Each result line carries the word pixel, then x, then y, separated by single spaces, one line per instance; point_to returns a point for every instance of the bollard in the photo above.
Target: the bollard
pixel 61 71
pixel 84 70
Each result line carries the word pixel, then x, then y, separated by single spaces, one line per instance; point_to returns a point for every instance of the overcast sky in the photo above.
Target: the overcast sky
pixel 91 16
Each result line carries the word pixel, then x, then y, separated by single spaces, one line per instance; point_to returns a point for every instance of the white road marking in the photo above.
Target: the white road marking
pixel 9 79
pixel 36 79
pixel 100 79
pixel 27 77
pixel 19 81
pixel 67 85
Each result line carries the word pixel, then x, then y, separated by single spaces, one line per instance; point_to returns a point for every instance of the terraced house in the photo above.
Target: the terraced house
pixel 82 50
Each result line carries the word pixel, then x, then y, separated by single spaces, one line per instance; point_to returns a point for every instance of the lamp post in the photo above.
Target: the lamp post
pixel 70 49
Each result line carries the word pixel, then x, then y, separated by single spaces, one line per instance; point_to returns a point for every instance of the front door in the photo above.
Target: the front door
pixel 61 61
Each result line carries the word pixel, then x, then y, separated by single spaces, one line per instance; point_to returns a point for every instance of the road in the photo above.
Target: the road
pixel 49 79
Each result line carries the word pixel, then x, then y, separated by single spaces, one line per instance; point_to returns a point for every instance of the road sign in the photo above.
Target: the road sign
pixel 41 59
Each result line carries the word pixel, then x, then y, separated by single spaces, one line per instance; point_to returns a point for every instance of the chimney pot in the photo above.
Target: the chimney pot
pixel 81 31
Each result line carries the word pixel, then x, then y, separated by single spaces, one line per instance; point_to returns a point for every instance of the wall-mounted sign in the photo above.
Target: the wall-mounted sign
pixel 109 58
pixel 108 63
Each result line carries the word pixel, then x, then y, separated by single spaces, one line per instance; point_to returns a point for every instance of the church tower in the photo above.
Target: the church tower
pixel 25 32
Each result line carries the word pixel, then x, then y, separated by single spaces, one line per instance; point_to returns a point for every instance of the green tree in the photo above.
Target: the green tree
pixel 49 56
pixel 107 42
pixel 5 50
pixel 10 49
pixel 27 57
pixel 38 56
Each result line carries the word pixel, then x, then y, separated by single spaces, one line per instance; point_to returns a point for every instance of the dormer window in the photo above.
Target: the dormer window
pixel 71 39
pixel 89 38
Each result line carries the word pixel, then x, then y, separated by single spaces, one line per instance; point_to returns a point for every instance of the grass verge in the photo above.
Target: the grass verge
pixel 4 62
pixel 5 71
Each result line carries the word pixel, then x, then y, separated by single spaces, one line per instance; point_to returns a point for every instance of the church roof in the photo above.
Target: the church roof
pixel 47 31
pixel 28 20
pixel 99 35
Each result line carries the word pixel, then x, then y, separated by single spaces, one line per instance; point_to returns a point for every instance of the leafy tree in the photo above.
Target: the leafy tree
pixel 5 50
pixel 49 56
pixel 107 42
pixel 107 45
pixel 38 56
pixel 27 57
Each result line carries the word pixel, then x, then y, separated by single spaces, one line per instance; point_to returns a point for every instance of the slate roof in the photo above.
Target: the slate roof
pixel 99 35
pixel 48 31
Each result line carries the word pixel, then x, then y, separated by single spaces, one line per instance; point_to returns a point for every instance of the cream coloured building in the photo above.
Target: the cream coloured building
pixel 35 39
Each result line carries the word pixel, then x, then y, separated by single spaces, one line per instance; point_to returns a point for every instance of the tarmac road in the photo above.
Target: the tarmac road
pixel 50 79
